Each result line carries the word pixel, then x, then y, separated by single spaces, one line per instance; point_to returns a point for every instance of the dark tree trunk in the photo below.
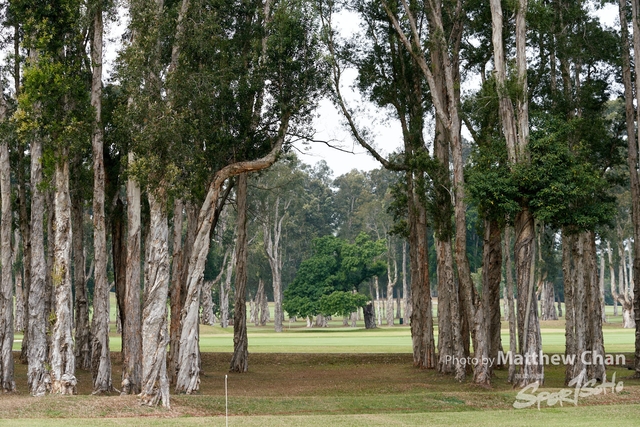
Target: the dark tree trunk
pixel 119 256
pixel 240 358
pixel 528 323
pixel 25 231
pixel 369 316
pixel 632 141
pixel 131 320
pixel 82 335
pixel 492 275
pixel 421 317
pixel 508 232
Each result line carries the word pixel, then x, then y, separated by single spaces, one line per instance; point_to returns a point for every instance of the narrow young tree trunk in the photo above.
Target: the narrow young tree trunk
pixel 38 375
pixel 601 288
pixel 101 359
pixel 225 289
pixel 398 305
pixel 612 279
pixel 6 290
pixel 405 288
pixel 274 255
pixel 392 278
pixel 131 331
pixel 240 358
pixel 260 319
pixel 62 357
pixel 376 285
pixel 20 322
pixel 155 383
pixel 594 310
pixel 82 335
pixel 508 232
pixel 119 258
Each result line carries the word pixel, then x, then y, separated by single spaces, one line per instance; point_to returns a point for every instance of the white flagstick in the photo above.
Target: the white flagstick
pixel 226 402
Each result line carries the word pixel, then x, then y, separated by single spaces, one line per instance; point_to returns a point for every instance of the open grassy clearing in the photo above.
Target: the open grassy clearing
pixel 308 377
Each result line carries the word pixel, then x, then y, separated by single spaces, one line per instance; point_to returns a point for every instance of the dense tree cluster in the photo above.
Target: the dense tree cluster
pixel 173 182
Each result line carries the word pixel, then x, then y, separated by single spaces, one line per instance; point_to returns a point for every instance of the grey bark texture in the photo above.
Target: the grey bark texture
pixel 131 330
pixel 155 382
pixel 37 373
pixel 6 288
pixel 82 330
pixel 100 355
pixel 62 357
pixel 240 358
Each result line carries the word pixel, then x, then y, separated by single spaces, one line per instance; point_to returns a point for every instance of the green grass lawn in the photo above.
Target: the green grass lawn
pixel 335 376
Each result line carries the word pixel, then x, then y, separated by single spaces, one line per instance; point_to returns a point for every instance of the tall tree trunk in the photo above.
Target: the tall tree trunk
pixel 421 317
pixel 272 248
pixel 175 291
pixel 612 279
pixel 509 295
pixel 38 375
pixel 405 287
pixel 62 357
pixel 119 257
pixel 225 290
pixel 208 317
pixel 516 132
pixel 583 310
pixel 528 323
pixel 493 267
pixel 101 358
pixel 25 229
pixel 155 383
pixel 240 358
pixel 131 331
pixel 20 322
pixel 6 290
pixel 82 335
pixel 392 278
pixel 601 288
pixel 632 140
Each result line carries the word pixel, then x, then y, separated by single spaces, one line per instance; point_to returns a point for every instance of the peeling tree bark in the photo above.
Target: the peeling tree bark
pixel 37 374
pixel 240 358
pixel 20 322
pixel 155 383
pixel 188 380
pixel 632 140
pixel 62 357
pixel 6 290
pixel 100 355
pixel 82 333
pixel 509 292
pixel 274 255
pixel 131 331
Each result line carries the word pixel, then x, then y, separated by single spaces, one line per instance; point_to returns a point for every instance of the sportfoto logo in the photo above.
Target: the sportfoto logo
pixel 587 358
pixel 527 396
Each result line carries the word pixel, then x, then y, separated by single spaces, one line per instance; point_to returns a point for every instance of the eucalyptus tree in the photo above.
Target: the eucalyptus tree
pixel 394 79
pixel 261 74
pixel 7 380
pixel 54 100
pixel 633 138
pixel 278 194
